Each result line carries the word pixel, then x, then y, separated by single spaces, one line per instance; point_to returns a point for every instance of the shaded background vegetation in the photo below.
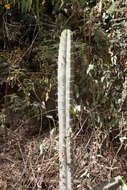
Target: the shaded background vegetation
pixel 29 38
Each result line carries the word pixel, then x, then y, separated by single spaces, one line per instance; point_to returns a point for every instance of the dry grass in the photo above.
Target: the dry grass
pixel 32 163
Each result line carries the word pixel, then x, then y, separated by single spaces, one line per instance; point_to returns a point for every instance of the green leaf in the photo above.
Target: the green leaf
pixel 113 7
pixel 29 4
pixel 14 2
pixel 37 8
pixel 24 8
pixel 19 5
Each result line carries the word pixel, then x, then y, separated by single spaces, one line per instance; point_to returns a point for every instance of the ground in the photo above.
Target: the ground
pixel 29 162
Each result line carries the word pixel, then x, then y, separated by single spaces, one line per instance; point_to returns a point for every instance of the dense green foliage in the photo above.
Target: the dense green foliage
pixel 99 57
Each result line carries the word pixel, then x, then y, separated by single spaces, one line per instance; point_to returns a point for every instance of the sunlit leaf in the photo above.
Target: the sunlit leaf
pixel 91 67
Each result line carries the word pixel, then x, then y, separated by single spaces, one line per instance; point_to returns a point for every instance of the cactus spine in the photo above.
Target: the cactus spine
pixel 64 79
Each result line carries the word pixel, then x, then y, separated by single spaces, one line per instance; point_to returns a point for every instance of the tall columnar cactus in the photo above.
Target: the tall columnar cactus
pixel 64 79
